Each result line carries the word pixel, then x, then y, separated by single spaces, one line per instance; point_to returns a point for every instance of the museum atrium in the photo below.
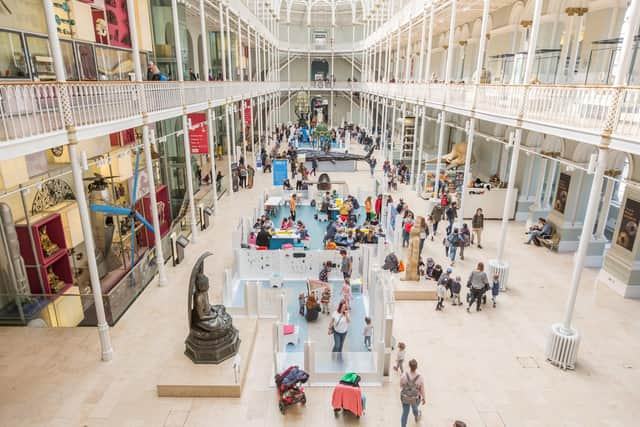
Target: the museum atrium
pixel 218 212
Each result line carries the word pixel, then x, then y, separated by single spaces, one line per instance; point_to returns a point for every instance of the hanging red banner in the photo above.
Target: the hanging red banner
pixel 247 112
pixel 198 134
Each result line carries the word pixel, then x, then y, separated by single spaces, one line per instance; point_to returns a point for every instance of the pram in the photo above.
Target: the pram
pixel 289 385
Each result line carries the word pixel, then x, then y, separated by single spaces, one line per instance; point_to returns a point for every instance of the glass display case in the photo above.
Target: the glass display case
pixel 509 67
pixel 13 64
pixel 601 60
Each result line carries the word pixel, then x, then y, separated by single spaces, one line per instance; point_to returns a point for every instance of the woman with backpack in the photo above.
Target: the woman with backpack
pixel 455 241
pixel 411 393
pixel 465 237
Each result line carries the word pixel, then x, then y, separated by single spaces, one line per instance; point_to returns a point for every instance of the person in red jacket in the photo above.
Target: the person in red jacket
pixel 378 206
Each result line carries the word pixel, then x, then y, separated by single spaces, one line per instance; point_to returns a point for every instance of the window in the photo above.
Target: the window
pixel 12 59
pixel 87 61
pixel 40 57
pixel 114 64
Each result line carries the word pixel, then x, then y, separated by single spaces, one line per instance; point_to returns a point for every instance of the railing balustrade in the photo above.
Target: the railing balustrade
pixel 35 109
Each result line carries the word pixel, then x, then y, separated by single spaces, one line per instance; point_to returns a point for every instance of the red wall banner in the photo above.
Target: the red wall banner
pixel 198 133
pixel 247 112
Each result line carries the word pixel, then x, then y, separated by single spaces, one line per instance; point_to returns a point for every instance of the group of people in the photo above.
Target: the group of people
pixel 478 284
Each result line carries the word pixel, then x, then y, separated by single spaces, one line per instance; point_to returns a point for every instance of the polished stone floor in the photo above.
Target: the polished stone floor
pixel 485 368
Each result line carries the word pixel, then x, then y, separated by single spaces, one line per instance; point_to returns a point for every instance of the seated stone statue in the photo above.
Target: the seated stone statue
pixel 212 336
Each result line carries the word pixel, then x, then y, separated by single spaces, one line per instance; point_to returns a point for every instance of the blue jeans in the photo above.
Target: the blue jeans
pixel 367 341
pixel 405 238
pixel 405 412
pixel 533 234
pixel 338 341
pixel 452 253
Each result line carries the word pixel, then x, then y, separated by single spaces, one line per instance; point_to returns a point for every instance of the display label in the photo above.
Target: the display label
pixel 280 171
pixel 562 192
pixel 629 225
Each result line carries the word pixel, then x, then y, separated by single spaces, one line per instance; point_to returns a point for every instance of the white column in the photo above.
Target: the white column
pixel 333 70
pixel 548 197
pixel 396 75
pixel 176 37
pixel 393 129
pixel 565 45
pixel 204 66
pixel 576 47
pixel 226 122
pixel 423 31
pixel 604 210
pixel 162 275
pixel 408 53
pixel 211 122
pixel 189 178
pixel 222 43
pixel 259 112
pixel 427 71
pixel 443 114
pixel 471 124
pixel 81 198
pixel 229 50
pixel 537 202
pixel 515 154
pixel 289 69
pixel 585 236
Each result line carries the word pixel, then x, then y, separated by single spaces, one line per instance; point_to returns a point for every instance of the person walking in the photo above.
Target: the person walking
pixel 368 208
pixel 378 207
pixel 495 289
pixel 451 214
pixel 424 232
pixel 314 166
pixel 411 393
pixel 347 264
pixel 477 224
pixel 372 165
pixel 338 326
pixel 292 206
pixel 455 241
pixel 478 283
pixel 436 216
pixel 465 239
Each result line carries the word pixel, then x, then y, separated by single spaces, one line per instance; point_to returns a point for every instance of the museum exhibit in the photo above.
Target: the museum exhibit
pixel 260 212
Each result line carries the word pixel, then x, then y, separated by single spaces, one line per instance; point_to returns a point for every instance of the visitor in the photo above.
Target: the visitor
pixel 495 289
pixel 347 264
pixel 541 230
pixel 424 232
pixel 411 393
pixel 285 224
pixel 407 225
pixel 451 214
pixel 368 332
pixel 441 292
pixel 292 206
pixel 368 208
pixel 299 179
pixel 346 293
pixel 252 239
pixel 465 239
pixel 263 238
pixel 325 300
pixel 242 170
pixel 339 326
pixel 478 283
pixel 399 366
pixel 372 165
pixel 445 279
pixel 436 216
pixel 378 207
pixel 266 164
pixel 314 166
pixel 301 303
pixel 313 308
pixel 455 241
pixel 477 224
pixel 331 231
pixel 456 287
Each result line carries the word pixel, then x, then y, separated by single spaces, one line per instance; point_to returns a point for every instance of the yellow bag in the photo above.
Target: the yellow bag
pixel 400 267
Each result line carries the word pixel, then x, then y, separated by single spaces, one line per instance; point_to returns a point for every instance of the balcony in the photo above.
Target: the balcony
pixel 35 116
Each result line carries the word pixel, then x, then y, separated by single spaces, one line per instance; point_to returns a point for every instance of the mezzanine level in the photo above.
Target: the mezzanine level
pixel 32 115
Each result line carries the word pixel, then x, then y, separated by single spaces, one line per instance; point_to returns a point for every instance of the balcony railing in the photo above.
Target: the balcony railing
pixel 36 109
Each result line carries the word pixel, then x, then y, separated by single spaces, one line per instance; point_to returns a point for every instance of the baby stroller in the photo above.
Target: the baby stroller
pixel 289 385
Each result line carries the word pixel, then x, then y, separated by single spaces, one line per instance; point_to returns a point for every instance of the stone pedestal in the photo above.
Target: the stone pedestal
pixel 569 207
pixel 596 253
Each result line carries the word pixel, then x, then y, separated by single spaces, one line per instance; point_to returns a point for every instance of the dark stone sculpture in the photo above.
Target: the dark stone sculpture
pixel 212 336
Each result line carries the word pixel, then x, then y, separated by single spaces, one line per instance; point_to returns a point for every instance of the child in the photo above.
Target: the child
pixel 441 290
pixel 400 358
pixel 456 287
pixel 422 269
pixel 437 272
pixel 430 268
pixel 325 299
pixel 368 331
pixel 346 293
pixel 301 303
pixel 495 289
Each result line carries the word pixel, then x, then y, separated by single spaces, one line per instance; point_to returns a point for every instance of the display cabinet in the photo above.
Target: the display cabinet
pixel 164 214
pixel 45 257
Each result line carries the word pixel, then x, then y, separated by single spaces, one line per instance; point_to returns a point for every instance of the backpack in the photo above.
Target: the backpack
pixel 455 240
pixel 409 394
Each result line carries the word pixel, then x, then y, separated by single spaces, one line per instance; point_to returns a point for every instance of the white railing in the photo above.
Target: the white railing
pixel 628 120
pixel 585 108
pixel 29 110
pixel 500 99
pixel 36 109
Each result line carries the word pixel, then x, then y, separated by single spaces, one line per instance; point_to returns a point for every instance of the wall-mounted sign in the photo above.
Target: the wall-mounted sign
pixel 280 171
pixel 562 192
pixel 629 224
pixel 198 133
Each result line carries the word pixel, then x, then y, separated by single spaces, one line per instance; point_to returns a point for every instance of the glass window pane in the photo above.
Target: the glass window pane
pixel 12 60
pixel 69 60
pixel 40 57
pixel 114 64
pixel 87 62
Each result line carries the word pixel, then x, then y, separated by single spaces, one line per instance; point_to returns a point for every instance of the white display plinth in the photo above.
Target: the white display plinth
pixel 490 201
